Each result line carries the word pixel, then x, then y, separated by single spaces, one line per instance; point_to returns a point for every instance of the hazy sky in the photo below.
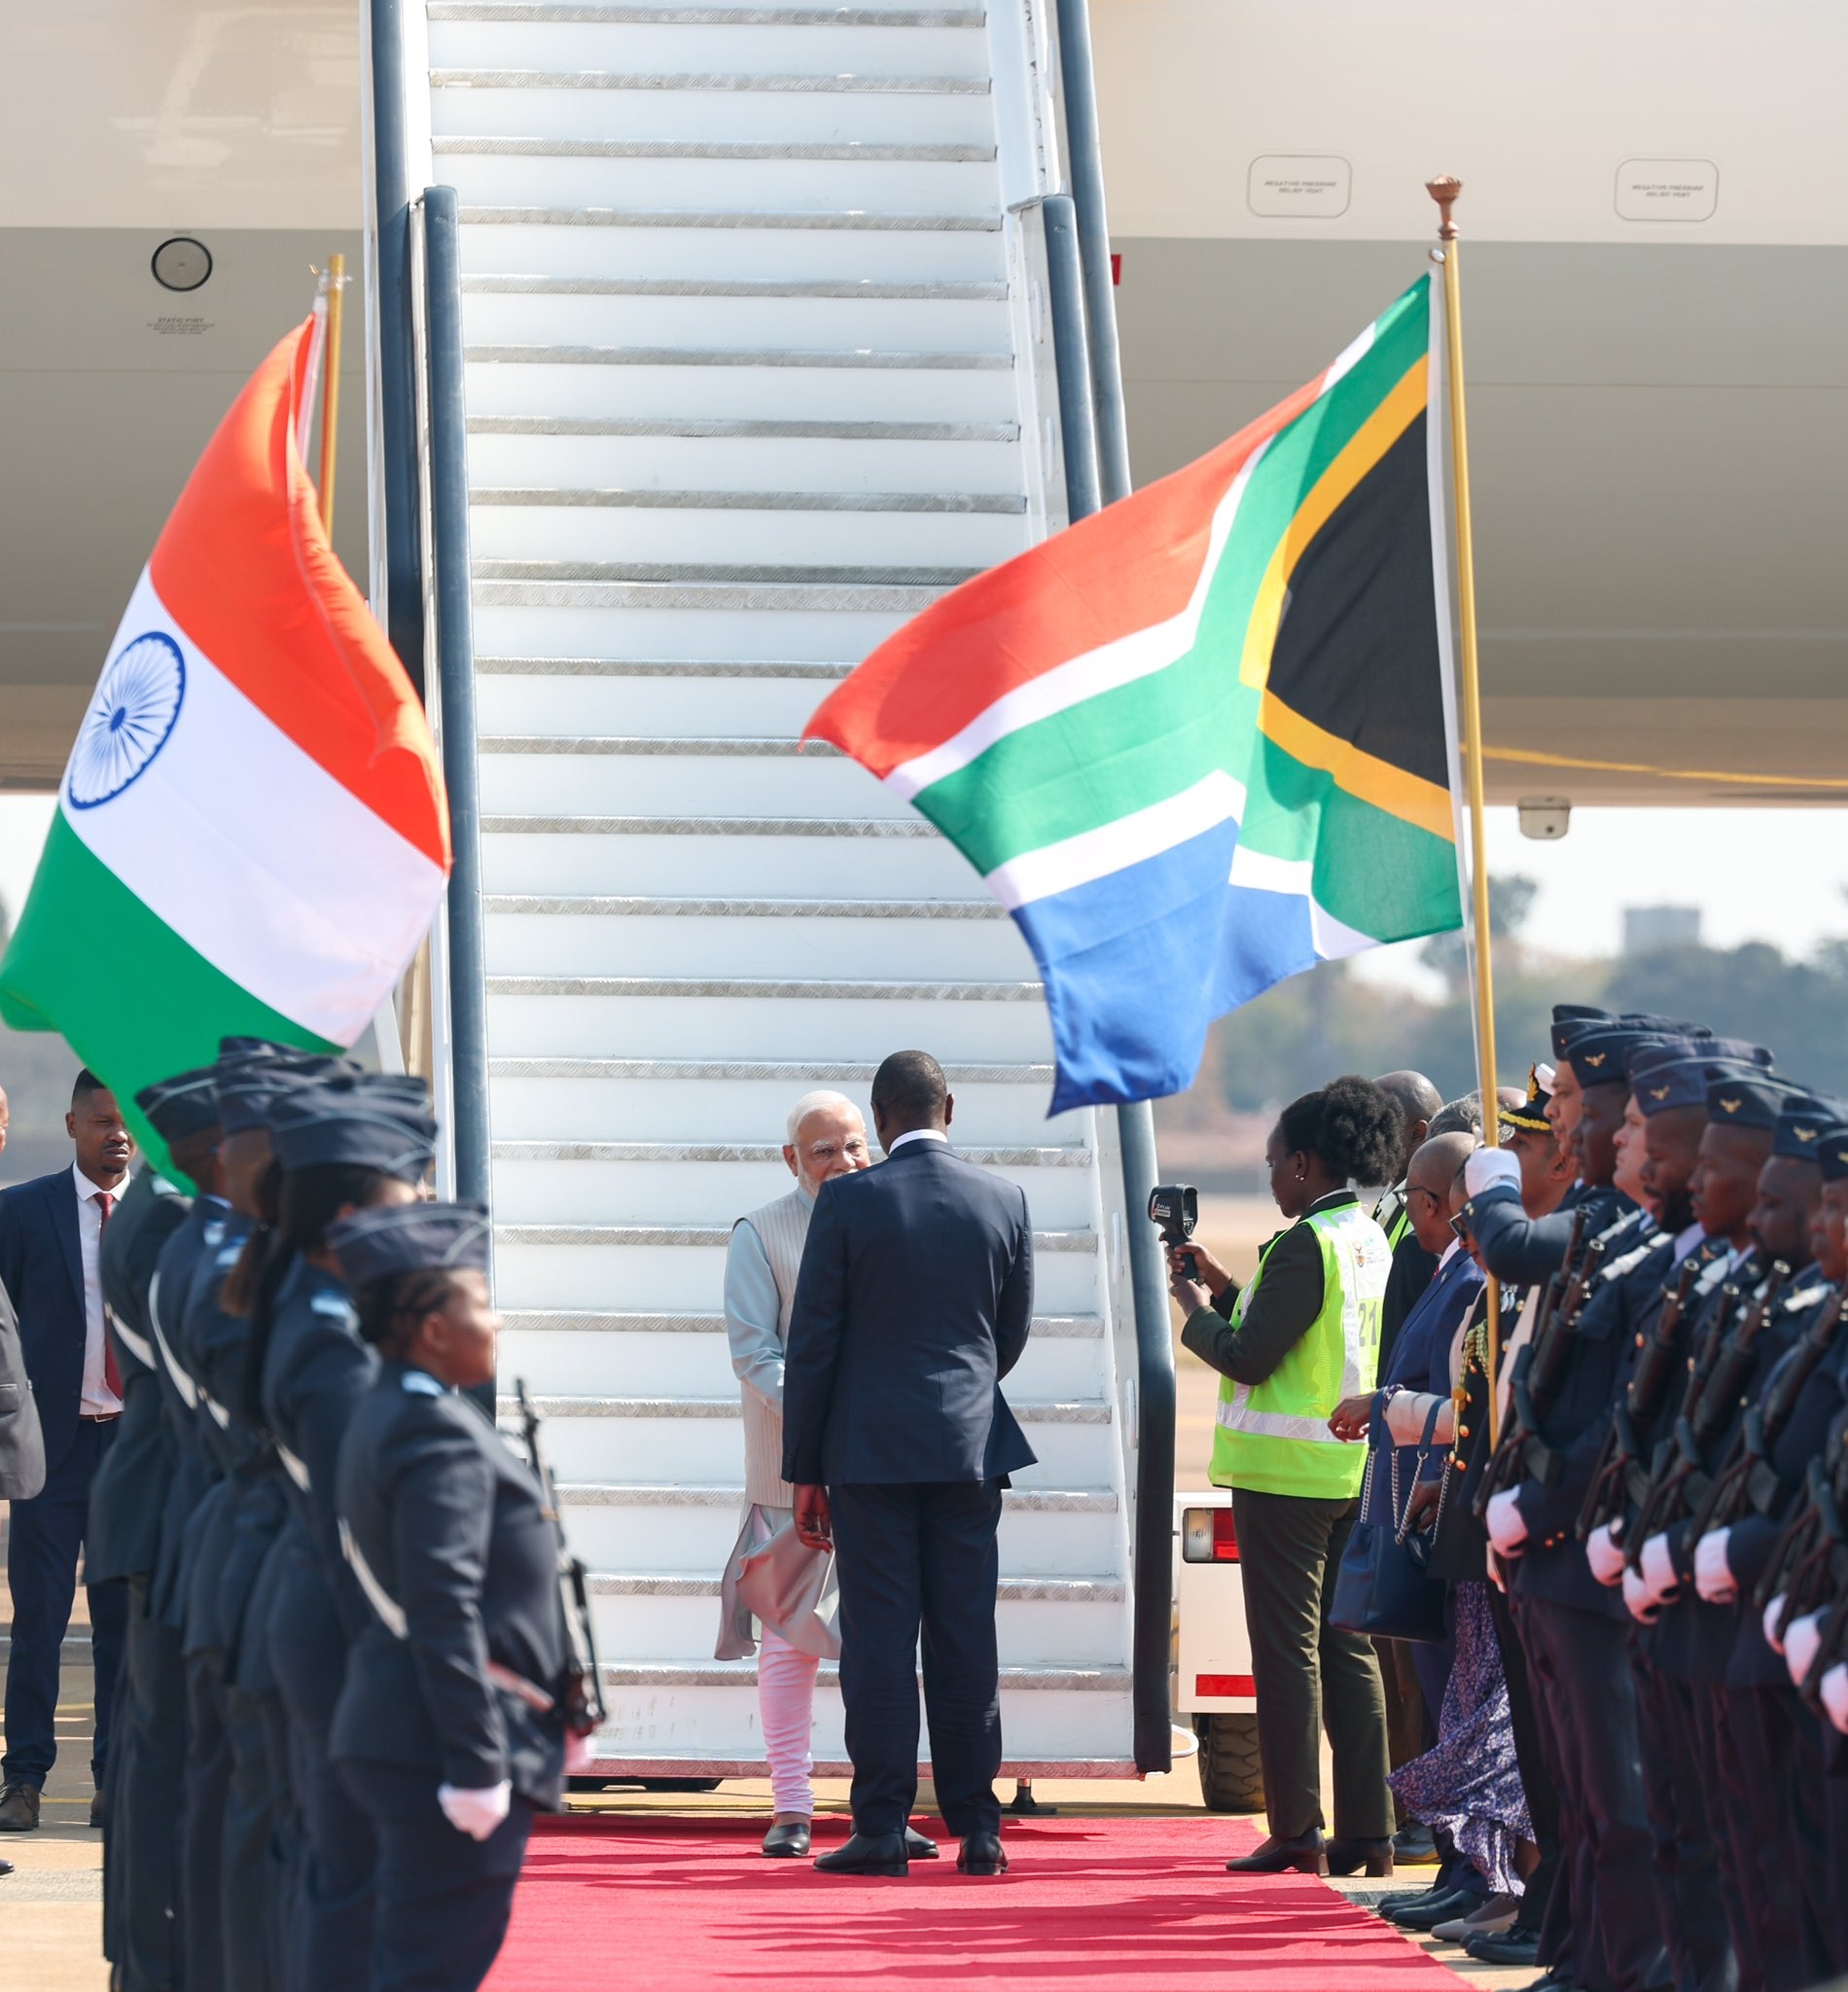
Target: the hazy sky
pixel 1757 874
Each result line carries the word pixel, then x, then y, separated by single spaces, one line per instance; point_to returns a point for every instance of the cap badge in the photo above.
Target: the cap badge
pixel 1659 1092
pixel 1730 1106
pixel 1595 1058
pixel 1806 1133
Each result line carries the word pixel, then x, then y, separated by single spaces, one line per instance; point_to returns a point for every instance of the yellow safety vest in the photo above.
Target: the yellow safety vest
pixel 1274 1437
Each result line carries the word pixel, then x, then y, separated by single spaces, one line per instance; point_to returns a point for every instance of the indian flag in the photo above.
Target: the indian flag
pixel 251 836
pixel 1201 740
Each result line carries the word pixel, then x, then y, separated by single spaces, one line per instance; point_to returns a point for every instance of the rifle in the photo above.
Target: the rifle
pixel 1681 1479
pixel 1610 1491
pixel 582 1699
pixel 1537 1368
pixel 1746 1471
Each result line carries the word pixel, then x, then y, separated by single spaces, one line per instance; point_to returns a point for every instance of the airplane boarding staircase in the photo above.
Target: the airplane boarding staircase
pixel 756 342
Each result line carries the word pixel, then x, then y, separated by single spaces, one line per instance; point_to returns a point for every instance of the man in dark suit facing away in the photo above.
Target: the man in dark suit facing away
pixel 914 1299
pixel 51 1242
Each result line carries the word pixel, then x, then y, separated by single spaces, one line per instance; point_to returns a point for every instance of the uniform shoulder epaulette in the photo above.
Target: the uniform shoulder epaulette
pixel 213 1232
pixel 1712 1274
pixel 336 1305
pixel 1806 1297
pixel 419 1385
pixel 1629 1260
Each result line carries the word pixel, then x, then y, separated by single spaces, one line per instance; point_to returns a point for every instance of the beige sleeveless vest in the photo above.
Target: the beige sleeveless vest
pixel 782 1228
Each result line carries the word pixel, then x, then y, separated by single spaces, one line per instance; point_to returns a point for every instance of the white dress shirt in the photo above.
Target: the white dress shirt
pixel 98 1400
pixel 919 1134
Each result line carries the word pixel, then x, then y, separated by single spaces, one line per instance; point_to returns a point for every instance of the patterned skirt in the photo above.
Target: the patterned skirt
pixel 1470 1784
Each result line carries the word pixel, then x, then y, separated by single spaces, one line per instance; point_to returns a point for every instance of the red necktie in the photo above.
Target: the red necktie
pixel 111 1375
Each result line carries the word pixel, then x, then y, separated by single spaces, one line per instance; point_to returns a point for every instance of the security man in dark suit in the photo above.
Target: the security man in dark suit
pixel 914 1299
pixel 449 1730
pixel 51 1231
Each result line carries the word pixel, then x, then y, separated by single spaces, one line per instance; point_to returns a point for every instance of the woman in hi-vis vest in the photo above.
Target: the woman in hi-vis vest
pixel 1303 1334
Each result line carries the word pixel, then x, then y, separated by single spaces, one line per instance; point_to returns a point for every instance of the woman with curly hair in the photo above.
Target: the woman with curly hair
pixel 1301 1334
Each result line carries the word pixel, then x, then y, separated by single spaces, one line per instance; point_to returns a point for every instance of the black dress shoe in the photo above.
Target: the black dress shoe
pixel 18 1808
pixel 787 1841
pixel 1518 1945
pixel 879 1853
pixel 6 1868
pixel 1272 1855
pixel 1349 1857
pixel 1426 1915
pixel 917 1847
pixel 1390 1905
pixel 97 1814
pixel 981 1854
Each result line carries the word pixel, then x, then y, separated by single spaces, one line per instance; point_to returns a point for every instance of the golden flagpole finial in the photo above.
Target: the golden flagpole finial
pixel 1443 189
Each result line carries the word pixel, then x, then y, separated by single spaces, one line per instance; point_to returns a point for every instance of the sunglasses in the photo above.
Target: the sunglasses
pixel 1460 1228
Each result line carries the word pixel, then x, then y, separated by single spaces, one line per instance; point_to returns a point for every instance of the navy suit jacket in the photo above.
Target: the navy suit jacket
pixel 42 1268
pixel 914 1299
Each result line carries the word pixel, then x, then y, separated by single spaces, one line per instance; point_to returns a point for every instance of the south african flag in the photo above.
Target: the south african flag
pixel 1199 741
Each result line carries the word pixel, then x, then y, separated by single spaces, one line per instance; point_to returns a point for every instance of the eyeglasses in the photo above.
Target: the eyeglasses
pixel 1419 1190
pixel 1460 1228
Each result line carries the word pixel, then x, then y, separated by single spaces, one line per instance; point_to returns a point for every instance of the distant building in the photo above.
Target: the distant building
pixel 1648 930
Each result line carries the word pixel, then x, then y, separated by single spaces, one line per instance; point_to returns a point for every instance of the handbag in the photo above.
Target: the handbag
pixel 793 1589
pixel 1383 1586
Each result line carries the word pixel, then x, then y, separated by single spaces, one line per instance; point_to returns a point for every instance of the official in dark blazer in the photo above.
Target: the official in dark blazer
pixel 21 1444
pixel 914 1299
pixel 50 1233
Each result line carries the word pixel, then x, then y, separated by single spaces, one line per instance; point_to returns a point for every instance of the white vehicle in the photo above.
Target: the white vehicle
pixel 1213 1688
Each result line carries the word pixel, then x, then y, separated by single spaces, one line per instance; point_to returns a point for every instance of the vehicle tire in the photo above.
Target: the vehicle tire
pixel 1231 1778
pixel 680 1784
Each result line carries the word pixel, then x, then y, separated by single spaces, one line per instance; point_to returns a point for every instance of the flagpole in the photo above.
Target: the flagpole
pixel 331 389
pixel 1444 191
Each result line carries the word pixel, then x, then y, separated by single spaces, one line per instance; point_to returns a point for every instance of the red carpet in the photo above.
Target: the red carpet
pixel 1093 1903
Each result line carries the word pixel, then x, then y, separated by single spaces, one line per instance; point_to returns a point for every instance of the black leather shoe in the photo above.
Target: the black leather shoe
pixel 981 1854
pixel 787 1841
pixel 6 1868
pixel 917 1847
pixel 1349 1857
pixel 1518 1945
pixel 1273 1856
pixel 879 1853
pixel 1426 1915
pixel 1390 1905
pixel 97 1815
pixel 18 1808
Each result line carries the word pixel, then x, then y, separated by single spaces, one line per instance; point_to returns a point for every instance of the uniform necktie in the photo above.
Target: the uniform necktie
pixel 111 1375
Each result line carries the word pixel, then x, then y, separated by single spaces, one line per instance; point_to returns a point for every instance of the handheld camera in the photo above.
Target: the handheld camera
pixel 1176 1208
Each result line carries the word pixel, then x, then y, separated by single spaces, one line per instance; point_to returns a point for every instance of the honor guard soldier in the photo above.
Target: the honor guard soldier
pixel 1601 1926
pixel 122 1541
pixel 259 1836
pixel 451 1730
pixel 342 1144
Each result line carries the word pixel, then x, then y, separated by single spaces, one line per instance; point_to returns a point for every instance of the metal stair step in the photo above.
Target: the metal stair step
pixel 1051 1590
pixel 782 1072
pixel 727 747
pixel 658 667
pixel 486 145
pixel 684 574
pixel 737 356
pixel 848 84
pixel 743 1673
pixel 761 988
pixel 539 12
pixel 790 597
pixel 1029 1410
pixel 650 499
pixel 765 908
pixel 1062 1157
pixel 733 428
pixel 901 827
pixel 532 1320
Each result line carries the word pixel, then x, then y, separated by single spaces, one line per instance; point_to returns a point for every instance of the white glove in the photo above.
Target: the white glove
pixel 1507 1530
pixel 1659 1570
pixel 1773 1611
pixel 1488 1167
pixel 578 1754
pixel 1835 1697
pixel 1801 1638
pixel 1713 1577
pixel 1605 1556
pixel 476 1813
pixel 1637 1600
